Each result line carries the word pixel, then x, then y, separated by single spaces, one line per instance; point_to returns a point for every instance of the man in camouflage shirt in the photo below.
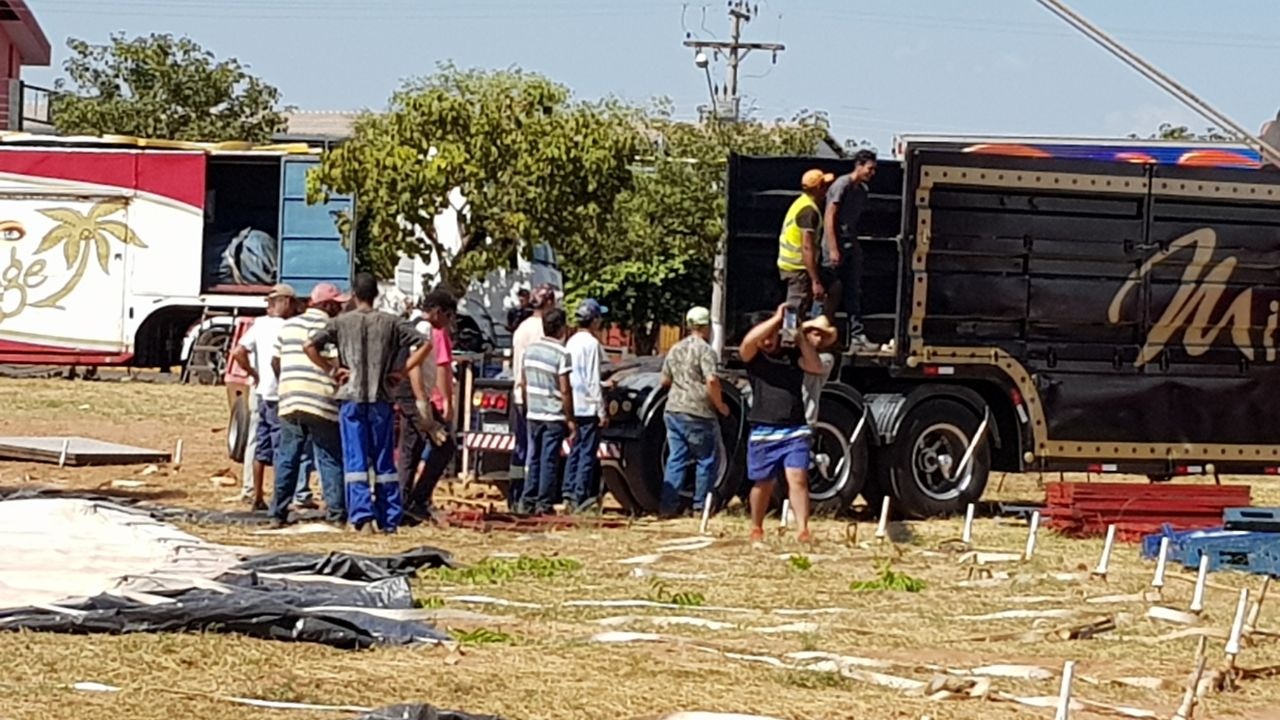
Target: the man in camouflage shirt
pixel 694 398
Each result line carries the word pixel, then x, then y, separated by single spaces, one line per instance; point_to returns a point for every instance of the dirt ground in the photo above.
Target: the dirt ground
pixel 535 663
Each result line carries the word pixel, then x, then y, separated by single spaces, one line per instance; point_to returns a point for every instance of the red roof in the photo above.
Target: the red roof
pixel 24 30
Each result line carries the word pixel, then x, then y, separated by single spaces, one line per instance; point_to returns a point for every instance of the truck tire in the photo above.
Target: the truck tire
pixel 209 356
pixel 838 470
pixel 238 429
pixel 930 444
pixel 646 460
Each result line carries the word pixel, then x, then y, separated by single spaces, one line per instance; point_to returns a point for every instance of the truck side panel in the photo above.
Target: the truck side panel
pixel 1131 305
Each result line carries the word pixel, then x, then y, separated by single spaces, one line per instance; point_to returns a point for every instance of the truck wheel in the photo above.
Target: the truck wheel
pixel 615 481
pixel 208 360
pixel 238 429
pixel 927 451
pixel 647 460
pixel 838 469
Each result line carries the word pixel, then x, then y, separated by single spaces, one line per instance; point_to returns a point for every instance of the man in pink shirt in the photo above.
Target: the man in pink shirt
pixel 435 419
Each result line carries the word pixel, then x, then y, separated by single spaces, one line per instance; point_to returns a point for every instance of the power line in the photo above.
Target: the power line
pixel 740 13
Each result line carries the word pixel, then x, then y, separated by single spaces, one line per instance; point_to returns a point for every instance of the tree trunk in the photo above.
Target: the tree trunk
pixel 644 339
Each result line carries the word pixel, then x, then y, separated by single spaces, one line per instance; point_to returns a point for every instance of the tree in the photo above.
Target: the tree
pixel 513 152
pixel 657 257
pixel 162 87
pixel 1181 133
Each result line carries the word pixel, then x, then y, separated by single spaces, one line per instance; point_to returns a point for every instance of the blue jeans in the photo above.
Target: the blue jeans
pixel 689 439
pixel 545 439
pixel 299 434
pixel 368 448
pixel 580 468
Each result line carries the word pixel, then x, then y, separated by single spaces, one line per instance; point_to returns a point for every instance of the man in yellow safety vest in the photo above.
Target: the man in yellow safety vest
pixel 798 244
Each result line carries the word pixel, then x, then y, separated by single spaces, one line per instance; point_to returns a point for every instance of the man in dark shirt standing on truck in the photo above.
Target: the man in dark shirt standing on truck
pixel 780 433
pixel 368 341
pixel 798 253
pixel 841 251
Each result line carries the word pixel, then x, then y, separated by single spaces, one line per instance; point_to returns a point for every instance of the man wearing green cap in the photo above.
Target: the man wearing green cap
pixel 694 398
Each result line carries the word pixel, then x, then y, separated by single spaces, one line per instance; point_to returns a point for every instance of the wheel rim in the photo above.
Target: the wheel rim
pixel 830 467
pixel 935 457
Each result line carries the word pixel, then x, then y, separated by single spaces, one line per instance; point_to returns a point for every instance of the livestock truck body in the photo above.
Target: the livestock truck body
pixel 1041 305
pixel 119 251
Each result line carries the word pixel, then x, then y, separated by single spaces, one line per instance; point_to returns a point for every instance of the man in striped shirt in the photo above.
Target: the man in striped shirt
pixel 308 411
pixel 548 395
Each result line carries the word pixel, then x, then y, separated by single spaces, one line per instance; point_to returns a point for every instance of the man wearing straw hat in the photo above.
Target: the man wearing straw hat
pixel 779 442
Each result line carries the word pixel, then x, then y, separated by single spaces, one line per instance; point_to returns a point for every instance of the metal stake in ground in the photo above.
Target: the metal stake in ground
pixel 1251 623
pixel 177 454
pixel 882 530
pixel 706 515
pixel 1233 640
pixel 967 536
pixel 62 457
pixel 1104 562
pixel 1064 691
pixel 784 516
pixel 1032 528
pixel 1157 580
pixel 1202 577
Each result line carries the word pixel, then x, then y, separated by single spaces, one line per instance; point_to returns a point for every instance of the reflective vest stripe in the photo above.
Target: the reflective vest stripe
pixel 791 240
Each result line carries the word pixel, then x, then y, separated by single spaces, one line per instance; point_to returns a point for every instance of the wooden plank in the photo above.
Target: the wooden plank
pixel 80 451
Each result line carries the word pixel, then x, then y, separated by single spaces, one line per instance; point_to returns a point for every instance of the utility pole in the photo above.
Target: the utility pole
pixel 735 51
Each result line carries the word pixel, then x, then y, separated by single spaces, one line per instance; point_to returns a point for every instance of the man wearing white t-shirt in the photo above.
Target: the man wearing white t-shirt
pixel 586 357
pixel 529 332
pixel 259 341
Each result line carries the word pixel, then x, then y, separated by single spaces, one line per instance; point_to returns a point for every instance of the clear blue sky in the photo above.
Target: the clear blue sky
pixel 877 66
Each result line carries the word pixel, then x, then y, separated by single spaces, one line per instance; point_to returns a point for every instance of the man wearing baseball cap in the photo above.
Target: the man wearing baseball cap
pixel 586 358
pixel 693 400
pixel 308 412
pixel 259 340
pixel 542 299
pixel 798 243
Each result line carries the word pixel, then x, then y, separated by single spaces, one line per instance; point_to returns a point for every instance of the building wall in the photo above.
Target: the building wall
pixel 10 69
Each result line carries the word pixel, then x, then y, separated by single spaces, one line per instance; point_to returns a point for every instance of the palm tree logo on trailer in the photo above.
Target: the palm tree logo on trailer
pixel 82 238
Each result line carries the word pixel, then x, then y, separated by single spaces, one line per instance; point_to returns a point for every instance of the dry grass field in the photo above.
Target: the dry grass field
pixel 539 663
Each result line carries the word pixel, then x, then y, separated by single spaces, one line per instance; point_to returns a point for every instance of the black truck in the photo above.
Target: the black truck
pixel 1041 306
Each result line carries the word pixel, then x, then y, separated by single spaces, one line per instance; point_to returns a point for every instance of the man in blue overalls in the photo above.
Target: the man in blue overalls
pixel 368 341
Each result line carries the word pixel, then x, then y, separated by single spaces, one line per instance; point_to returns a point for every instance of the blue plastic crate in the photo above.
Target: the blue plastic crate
pixel 1178 543
pixel 1252 552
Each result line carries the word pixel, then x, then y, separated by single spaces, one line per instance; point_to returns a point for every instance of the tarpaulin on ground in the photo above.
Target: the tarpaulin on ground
pixel 88 566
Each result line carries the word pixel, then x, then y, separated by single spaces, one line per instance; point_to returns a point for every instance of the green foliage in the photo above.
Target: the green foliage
pixel 660 592
pixel 800 562
pixel 430 603
pixel 656 258
pixel 888 579
pixel 163 87
pixel 481 636
pixel 495 571
pixel 1181 133
pixel 533 165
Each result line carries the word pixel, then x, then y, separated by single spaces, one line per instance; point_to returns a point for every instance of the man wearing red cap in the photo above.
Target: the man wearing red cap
pixel 308 410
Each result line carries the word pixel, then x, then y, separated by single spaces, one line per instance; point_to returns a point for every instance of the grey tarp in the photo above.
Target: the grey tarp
pixel 89 566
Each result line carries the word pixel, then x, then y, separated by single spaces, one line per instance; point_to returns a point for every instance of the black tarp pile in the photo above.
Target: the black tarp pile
pixel 339 599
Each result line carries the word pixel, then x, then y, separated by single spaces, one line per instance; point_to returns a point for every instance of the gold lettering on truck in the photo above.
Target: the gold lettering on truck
pixel 1191 310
